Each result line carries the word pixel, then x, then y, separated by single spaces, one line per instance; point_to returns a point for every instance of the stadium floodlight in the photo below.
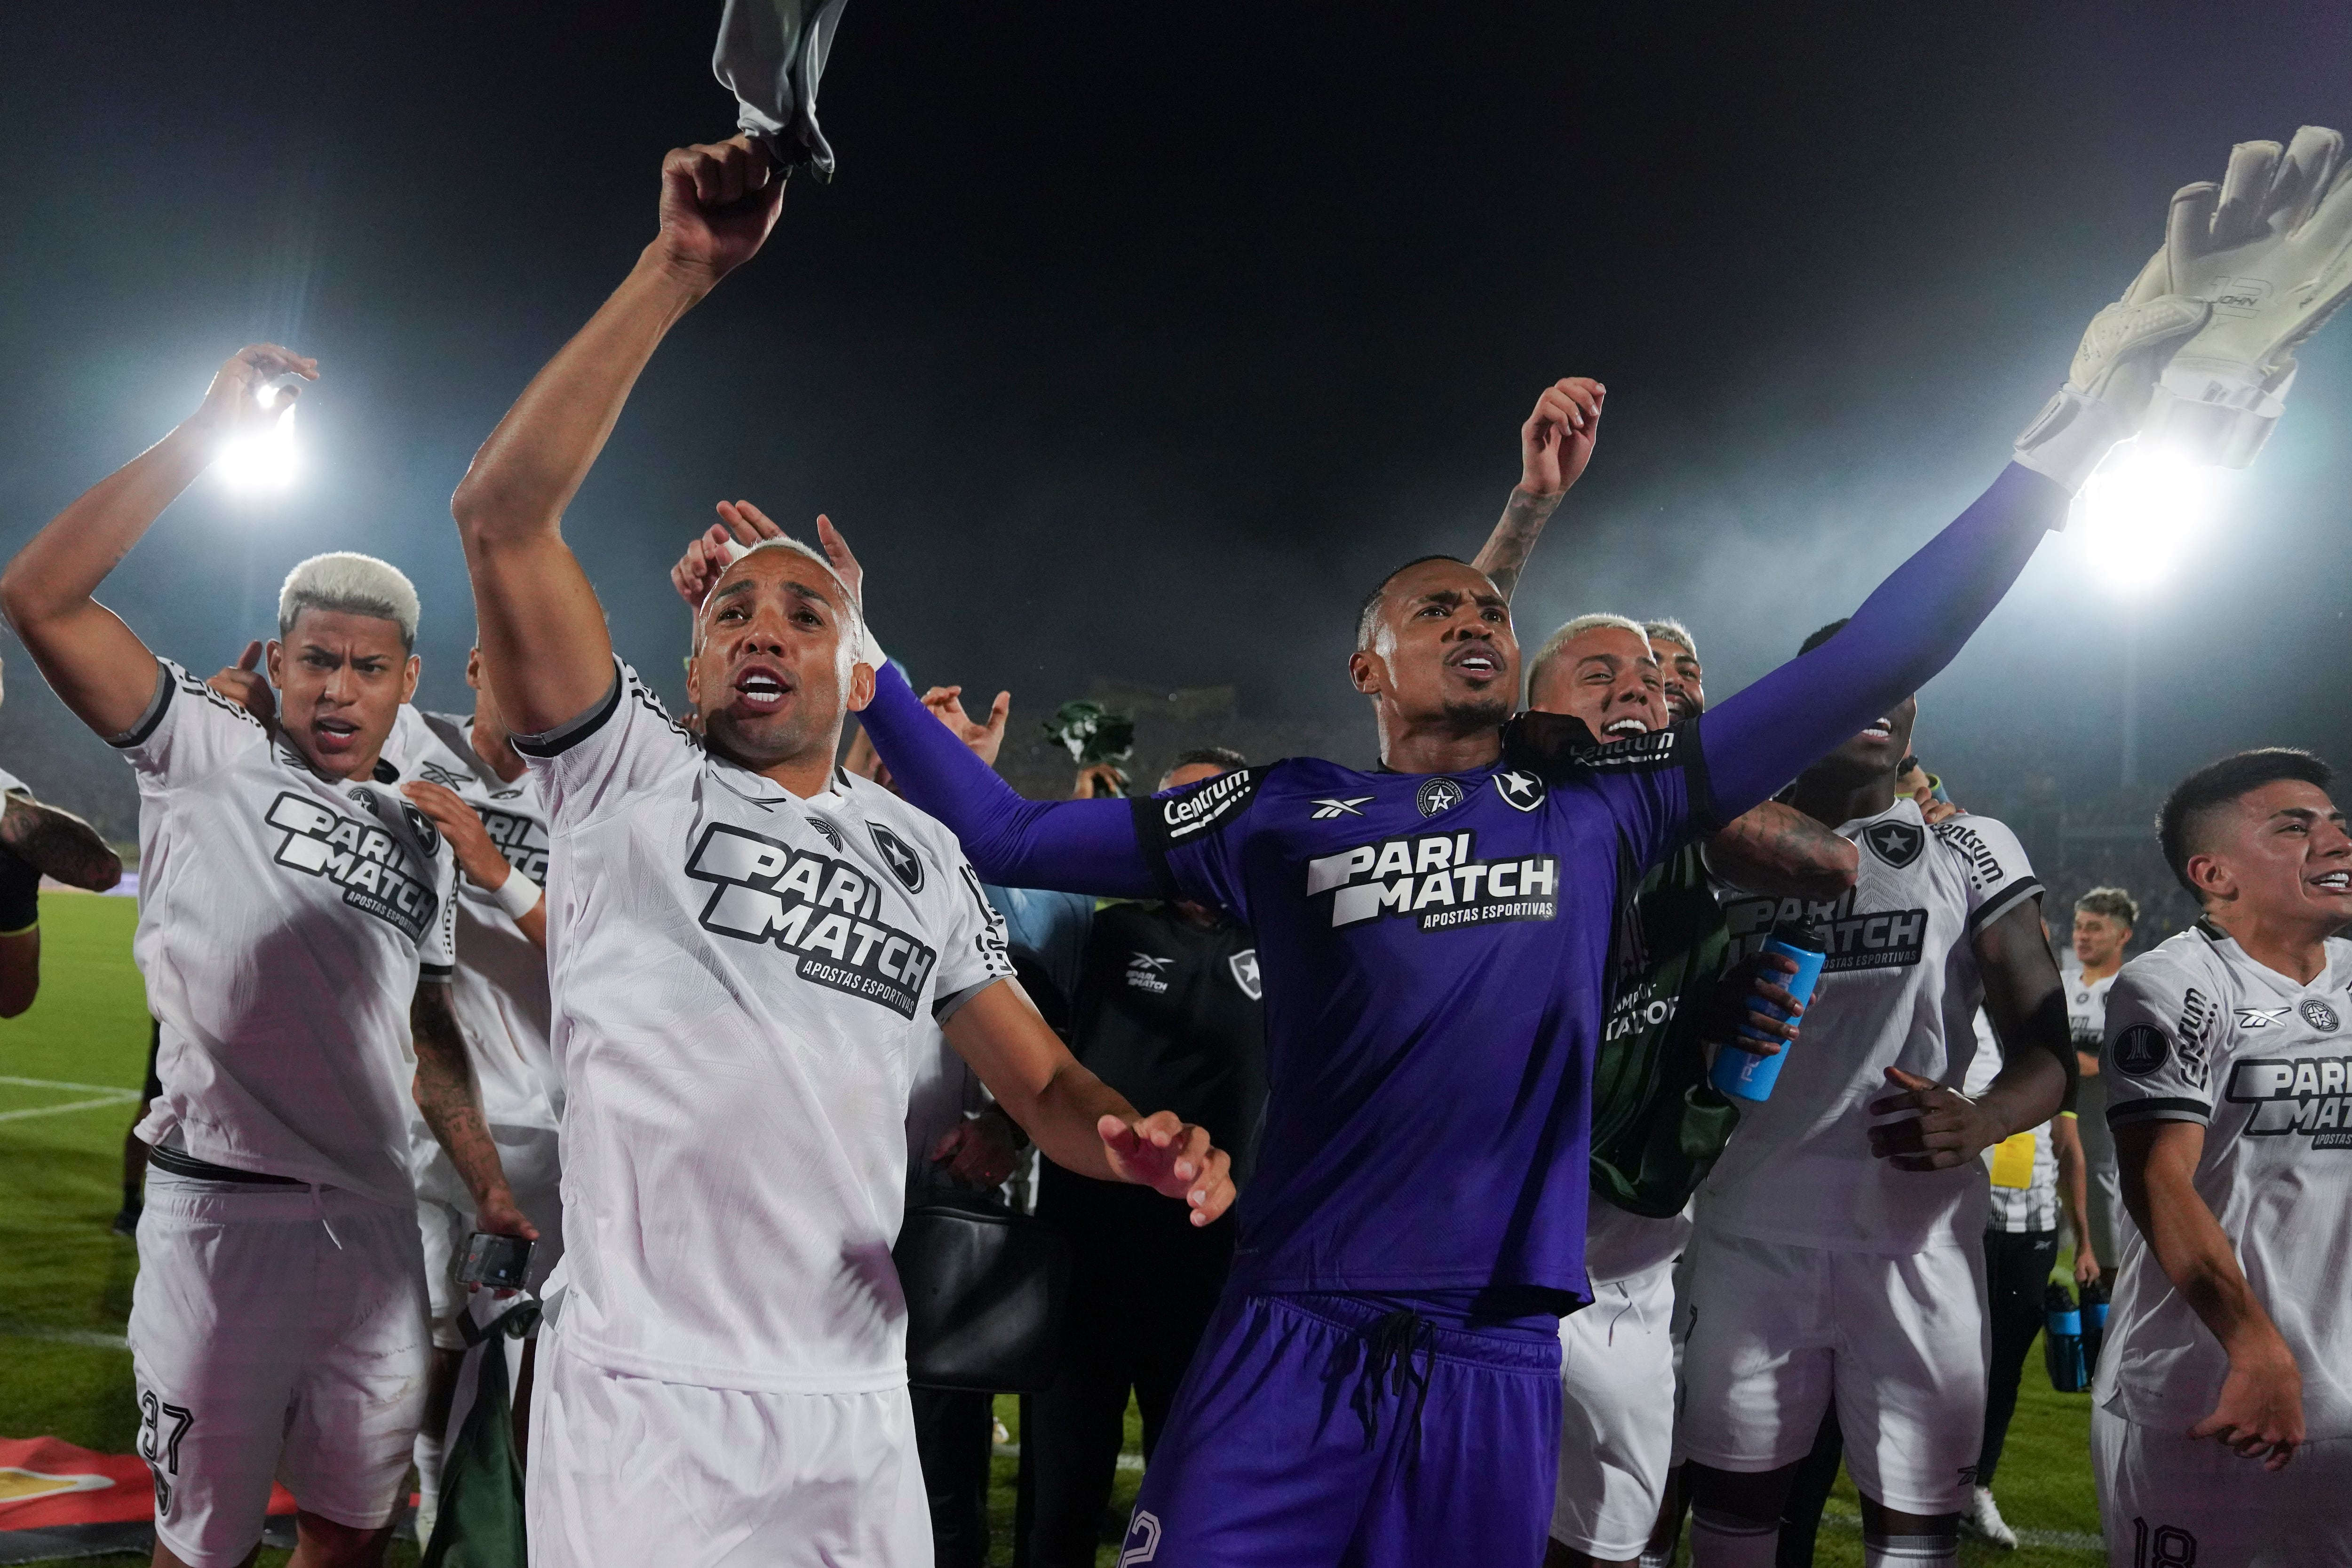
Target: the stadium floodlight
pixel 264 460
pixel 2141 512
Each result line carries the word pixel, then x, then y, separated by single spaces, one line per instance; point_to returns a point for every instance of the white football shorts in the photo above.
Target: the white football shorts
pixel 628 1470
pixel 1775 1327
pixel 264 1346
pixel 1616 1416
pixel 445 1213
pixel 2169 1501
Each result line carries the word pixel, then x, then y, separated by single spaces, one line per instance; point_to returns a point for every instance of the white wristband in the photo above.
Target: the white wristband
pixel 517 895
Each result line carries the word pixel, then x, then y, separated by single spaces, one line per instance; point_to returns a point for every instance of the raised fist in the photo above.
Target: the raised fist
pixel 719 201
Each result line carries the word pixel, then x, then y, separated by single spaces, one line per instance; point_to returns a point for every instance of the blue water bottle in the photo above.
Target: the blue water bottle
pixel 1744 1075
pixel 2061 1341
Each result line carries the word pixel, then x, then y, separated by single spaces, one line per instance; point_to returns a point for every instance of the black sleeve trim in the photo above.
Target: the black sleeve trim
pixel 2130 1110
pixel 2007 900
pixel 437 972
pixel 1167 822
pixel 571 731
pixel 1705 820
pixel 156 706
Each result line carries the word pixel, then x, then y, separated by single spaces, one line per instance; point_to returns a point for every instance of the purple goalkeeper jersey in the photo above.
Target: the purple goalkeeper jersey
pixel 1434 950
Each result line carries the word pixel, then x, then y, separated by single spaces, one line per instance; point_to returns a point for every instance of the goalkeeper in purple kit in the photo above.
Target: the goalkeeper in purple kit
pixel 1379 1384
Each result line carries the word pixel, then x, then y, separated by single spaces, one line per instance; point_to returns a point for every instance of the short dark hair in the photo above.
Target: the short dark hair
pixel 1224 757
pixel 2218 784
pixel 2113 903
pixel 1822 635
pixel 1371 604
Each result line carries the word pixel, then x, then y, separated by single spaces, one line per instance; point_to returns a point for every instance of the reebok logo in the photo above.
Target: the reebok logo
pixel 374 871
pixel 825 912
pixel 1331 808
pixel 1437 879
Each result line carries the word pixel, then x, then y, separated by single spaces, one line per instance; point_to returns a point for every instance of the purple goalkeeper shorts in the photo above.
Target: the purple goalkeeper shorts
pixel 1314 1430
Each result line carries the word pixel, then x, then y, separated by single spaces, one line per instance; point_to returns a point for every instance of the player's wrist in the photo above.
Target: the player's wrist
pixel 681 280
pixel 517 895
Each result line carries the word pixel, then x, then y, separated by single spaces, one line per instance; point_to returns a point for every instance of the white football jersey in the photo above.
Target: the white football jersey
pixel 741 981
pixel 284 920
pixel 1899 989
pixel 2197 1031
pixel 499 992
pixel 2025 1166
pixel 2086 1006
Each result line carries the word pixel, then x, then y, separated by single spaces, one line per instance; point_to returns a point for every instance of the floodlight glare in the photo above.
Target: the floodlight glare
pixel 2141 512
pixel 264 460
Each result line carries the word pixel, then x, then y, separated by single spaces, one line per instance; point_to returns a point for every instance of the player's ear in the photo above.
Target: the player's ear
pixel 2212 877
pixel 1366 672
pixel 274 661
pixel 408 677
pixel 861 687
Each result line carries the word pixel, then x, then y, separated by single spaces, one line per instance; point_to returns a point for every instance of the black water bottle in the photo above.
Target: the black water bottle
pixel 2062 1340
pixel 2095 1325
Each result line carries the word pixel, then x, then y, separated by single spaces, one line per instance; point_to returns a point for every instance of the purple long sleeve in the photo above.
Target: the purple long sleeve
pixel 1909 629
pixel 1065 846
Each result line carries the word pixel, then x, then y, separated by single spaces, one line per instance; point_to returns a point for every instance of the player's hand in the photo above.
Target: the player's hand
pixel 2087 1262
pixel 719 200
pixel 977 1152
pixel 1949 1130
pixel 244 684
pixel 2260 1413
pixel 986 740
pixel 500 1214
pixel 1735 1004
pixel 1099 781
pixel 1556 442
pixel 232 404
pixel 481 860
pixel 843 564
pixel 1174 1159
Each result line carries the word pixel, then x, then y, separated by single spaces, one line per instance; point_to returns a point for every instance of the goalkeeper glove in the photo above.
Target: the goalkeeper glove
pixel 2109 386
pixel 2271 250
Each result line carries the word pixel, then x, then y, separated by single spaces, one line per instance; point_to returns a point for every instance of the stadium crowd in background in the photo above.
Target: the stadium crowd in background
pixel 668 1033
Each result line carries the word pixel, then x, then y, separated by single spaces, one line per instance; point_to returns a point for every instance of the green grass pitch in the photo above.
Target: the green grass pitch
pixel 65 1290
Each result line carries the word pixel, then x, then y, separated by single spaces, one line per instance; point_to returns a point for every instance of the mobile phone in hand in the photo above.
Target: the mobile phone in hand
pixel 498 1262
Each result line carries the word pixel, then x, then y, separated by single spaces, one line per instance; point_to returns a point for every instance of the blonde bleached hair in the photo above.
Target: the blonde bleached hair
pixel 1570 630
pixel 349 584
pixel 1668 629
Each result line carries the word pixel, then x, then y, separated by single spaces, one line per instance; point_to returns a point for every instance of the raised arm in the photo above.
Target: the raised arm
pixel 94 662
pixel 1066 845
pixel 58 844
pixel 1776 848
pixel 545 651
pixel 1554 444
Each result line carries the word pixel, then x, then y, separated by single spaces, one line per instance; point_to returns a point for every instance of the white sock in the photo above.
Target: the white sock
pixel 426 1453
pixel 1910 1550
pixel 1728 1541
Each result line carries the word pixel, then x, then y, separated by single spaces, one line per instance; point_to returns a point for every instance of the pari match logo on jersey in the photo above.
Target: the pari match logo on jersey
pixel 1857 939
pixel 1436 879
pixel 827 912
pixel 369 863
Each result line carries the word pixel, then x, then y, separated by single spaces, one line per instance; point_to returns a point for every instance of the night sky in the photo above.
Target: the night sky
pixel 1135 341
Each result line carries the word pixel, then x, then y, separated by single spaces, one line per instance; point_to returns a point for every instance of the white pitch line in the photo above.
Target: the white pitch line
pixel 117 1099
pixel 90 1337
pixel 58 1083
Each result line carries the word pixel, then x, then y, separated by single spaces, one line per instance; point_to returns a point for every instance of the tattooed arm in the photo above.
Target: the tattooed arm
pixel 58 844
pixel 1554 446
pixel 1776 848
pixel 452 1103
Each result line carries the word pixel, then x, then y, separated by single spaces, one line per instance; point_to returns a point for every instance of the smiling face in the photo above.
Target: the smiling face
pixel 1685 681
pixel 2277 855
pixel 1878 751
pixel 772 673
pixel 1608 678
pixel 1441 648
pixel 340 681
